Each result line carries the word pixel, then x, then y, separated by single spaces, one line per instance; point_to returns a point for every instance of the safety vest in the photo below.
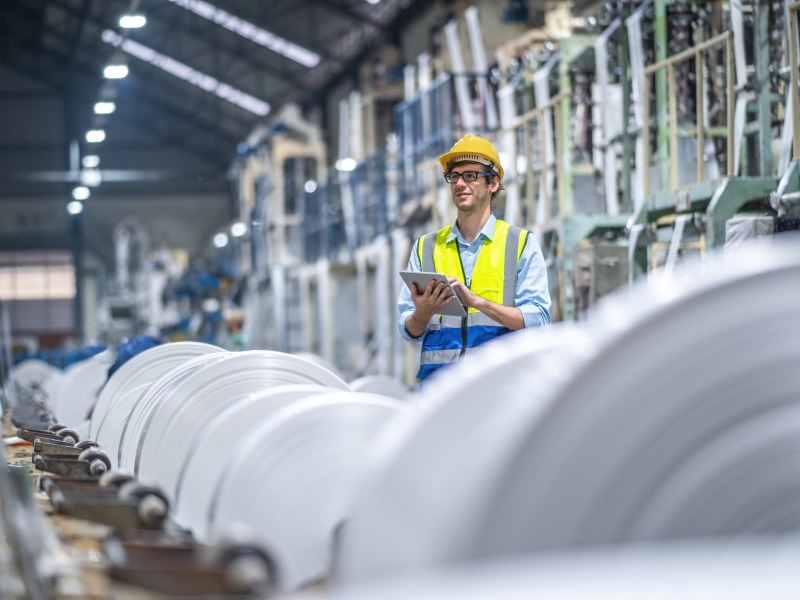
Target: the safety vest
pixel 494 278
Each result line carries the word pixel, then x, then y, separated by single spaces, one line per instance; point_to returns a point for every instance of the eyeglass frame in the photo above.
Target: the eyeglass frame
pixel 448 177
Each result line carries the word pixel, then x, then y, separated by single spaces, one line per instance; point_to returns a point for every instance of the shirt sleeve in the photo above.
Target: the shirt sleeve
pixel 405 305
pixel 533 294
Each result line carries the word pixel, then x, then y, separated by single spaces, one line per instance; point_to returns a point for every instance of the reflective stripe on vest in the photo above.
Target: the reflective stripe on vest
pixel 494 277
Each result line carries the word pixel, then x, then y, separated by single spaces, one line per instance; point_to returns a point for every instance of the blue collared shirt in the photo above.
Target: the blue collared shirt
pixel 532 295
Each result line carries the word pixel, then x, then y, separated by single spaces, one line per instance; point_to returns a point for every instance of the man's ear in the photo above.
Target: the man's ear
pixel 494 184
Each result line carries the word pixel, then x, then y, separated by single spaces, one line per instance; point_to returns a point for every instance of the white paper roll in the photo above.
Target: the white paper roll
pixel 216 446
pixel 684 424
pixel 167 440
pixel 428 480
pixel 292 479
pixel 381 384
pixel 144 368
pixel 32 373
pixel 764 569
pixel 80 387
pixel 127 430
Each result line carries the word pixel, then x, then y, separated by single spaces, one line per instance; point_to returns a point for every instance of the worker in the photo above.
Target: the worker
pixel 495 269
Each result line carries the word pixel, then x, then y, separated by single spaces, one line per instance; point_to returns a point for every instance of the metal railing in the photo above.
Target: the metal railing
pixel 369 186
pixel 696 52
pixel 322 222
pixel 529 133
pixel 425 130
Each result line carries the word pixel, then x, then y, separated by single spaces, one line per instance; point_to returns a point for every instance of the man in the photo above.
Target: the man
pixel 496 270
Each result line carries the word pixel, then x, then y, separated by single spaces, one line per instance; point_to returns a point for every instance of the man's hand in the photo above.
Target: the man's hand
pixel 507 316
pixel 427 303
pixel 465 295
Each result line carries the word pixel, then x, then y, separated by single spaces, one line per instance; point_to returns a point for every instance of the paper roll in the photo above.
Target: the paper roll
pixel 216 445
pixel 428 480
pixel 764 569
pixel 166 441
pixel 685 423
pixel 80 387
pixel 144 368
pixel 128 428
pixel 292 479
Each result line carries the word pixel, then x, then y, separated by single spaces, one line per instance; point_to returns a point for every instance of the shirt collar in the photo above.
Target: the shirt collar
pixel 487 232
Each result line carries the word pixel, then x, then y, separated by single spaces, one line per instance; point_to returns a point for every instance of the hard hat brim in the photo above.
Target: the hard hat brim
pixel 476 157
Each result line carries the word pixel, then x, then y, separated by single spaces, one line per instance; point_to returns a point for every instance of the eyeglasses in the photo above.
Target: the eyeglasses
pixel 468 176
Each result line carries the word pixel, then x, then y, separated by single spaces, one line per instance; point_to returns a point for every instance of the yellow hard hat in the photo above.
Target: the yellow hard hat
pixel 472 148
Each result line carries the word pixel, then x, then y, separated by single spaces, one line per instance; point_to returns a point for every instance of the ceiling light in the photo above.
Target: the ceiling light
pixel 310 186
pixel 373 1
pixel 94 136
pixel 188 74
pixel 75 207
pixel 115 71
pixel 91 161
pixel 81 192
pixel 91 177
pixel 238 229
pixel 220 240
pixel 132 21
pixel 247 30
pixel 104 108
pixel 346 164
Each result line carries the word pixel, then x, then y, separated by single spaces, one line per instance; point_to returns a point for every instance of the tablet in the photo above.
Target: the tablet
pixel 422 278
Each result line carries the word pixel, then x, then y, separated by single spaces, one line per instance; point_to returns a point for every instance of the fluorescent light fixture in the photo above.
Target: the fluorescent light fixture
pixel 238 229
pixel 220 240
pixel 310 187
pixel 115 71
pixel 132 21
pixel 346 164
pixel 104 108
pixel 373 1
pixel 188 74
pixel 94 136
pixel 91 177
pixel 81 192
pixel 247 30
pixel 91 161
pixel 75 207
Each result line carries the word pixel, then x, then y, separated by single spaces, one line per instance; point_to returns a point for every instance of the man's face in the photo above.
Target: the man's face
pixel 472 197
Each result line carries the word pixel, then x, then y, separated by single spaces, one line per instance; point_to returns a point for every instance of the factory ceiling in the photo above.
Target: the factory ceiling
pixel 201 75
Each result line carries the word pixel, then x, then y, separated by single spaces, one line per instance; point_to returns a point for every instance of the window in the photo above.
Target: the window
pixel 36 276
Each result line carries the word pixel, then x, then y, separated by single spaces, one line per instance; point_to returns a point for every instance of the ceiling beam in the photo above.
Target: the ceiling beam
pixel 243 124
pixel 174 111
pixel 215 157
pixel 350 14
pixel 239 53
pixel 330 80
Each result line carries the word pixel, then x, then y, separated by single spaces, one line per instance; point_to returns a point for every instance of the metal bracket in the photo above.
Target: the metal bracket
pixel 683 201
